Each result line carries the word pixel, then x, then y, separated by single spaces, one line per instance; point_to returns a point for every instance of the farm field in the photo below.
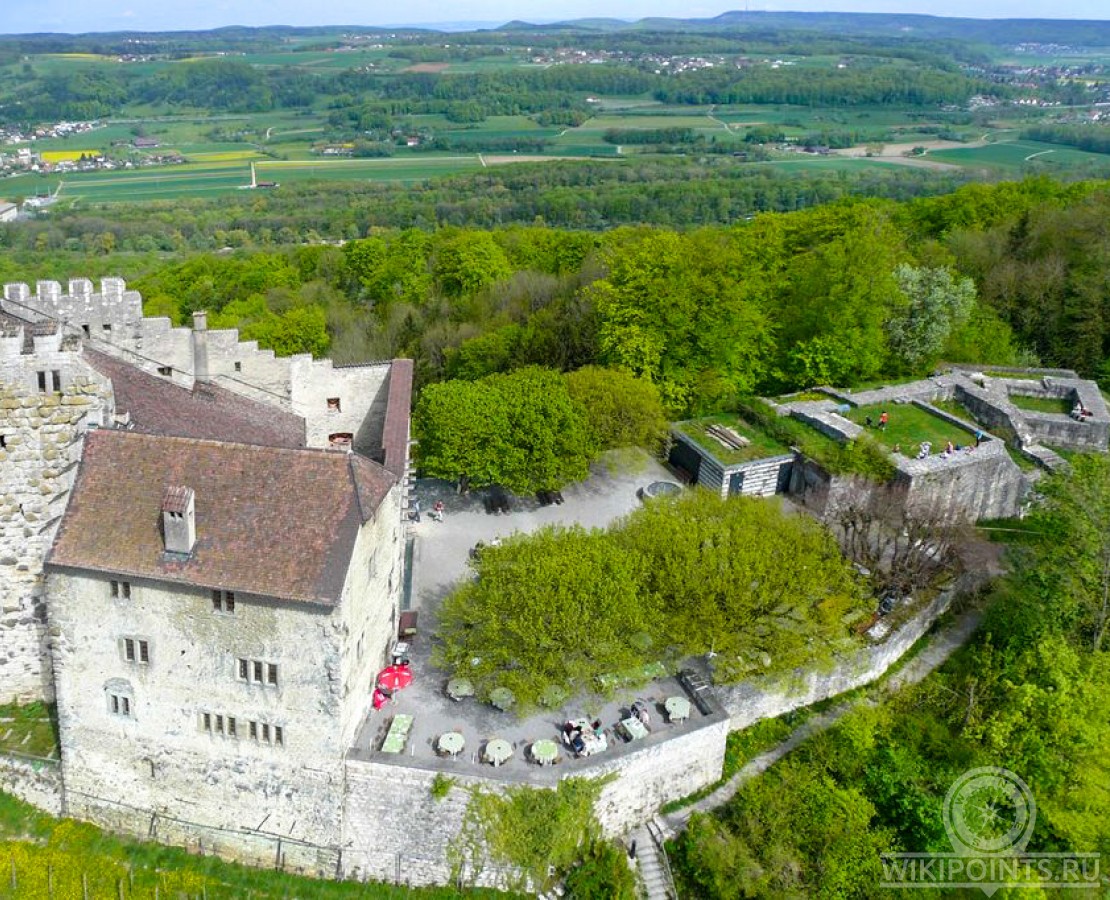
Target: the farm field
pixel 220 177
pixel 1015 154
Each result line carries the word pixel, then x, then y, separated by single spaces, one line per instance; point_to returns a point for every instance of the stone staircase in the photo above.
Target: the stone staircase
pixel 1047 457
pixel 651 859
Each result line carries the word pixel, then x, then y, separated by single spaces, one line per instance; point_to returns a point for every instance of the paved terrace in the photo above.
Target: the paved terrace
pixel 440 560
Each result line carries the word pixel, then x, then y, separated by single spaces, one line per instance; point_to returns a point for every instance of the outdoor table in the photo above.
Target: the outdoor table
pixel 545 752
pixel 502 698
pixel 678 708
pixel 457 688
pixel 634 728
pixel 398 733
pixel 498 751
pixel 452 742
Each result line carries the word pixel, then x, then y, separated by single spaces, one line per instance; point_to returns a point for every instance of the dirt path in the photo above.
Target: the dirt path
pixel 940 648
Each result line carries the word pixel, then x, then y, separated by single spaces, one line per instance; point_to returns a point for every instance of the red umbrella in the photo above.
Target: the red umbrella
pixel 393 678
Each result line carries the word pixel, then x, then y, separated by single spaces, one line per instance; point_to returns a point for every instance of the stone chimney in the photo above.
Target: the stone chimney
pixel 200 346
pixel 179 520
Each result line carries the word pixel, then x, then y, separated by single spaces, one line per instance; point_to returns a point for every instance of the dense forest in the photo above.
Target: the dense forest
pixel 844 293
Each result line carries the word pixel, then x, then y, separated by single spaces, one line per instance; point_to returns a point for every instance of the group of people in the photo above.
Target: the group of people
pixel 436 514
pixel 925 450
pixel 884 418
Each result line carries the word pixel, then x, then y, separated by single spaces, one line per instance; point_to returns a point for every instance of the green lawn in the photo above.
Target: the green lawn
pixel 41 856
pixel 1059 405
pixel 30 730
pixel 761 446
pixel 908 426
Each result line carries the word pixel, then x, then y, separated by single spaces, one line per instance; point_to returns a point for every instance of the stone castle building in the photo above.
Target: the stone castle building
pixel 201 560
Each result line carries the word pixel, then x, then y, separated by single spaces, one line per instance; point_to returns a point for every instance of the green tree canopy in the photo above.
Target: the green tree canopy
pixel 521 429
pixel 623 410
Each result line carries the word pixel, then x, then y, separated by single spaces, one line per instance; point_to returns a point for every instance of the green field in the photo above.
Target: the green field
pixel 1015 154
pixel 201 180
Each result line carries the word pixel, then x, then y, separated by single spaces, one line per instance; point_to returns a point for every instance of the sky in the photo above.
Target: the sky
pixel 73 16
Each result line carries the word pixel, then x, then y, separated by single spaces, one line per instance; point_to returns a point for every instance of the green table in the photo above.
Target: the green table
pixel 457 688
pixel 545 752
pixel 498 751
pixel 502 698
pixel 452 743
pixel 678 708
pixel 398 733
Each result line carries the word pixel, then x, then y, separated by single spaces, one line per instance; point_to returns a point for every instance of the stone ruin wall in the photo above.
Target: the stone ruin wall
pixel 41 445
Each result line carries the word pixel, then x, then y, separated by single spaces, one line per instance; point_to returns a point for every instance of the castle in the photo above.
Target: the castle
pixel 201 560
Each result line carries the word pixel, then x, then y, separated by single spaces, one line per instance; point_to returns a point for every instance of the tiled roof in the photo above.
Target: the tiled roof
pixel 158 406
pixel 175 499
pixel 271 522
pixel 395 434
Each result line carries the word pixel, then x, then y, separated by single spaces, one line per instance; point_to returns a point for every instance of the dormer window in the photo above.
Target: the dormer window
pixel 179 519
pixel 333 404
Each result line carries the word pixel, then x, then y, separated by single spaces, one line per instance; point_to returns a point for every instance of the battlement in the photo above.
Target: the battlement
pixel 102 312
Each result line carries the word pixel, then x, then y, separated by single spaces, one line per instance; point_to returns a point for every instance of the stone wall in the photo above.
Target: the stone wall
pixel 40 433
pixel 158 755
pixel 34 781
pixel 752 701
pixel 394 830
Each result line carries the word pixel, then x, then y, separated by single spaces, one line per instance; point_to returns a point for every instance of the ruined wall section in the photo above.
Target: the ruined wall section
pixel 40 444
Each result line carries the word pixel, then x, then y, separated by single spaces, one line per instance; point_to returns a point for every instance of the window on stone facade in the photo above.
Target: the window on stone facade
pixel 265 733
pixel 120 705
pixel 135 650
pixel 120 589
pixel 3 441
pixel 106 328
pixel 49 381
pixel 206 721
pixel 238 366
pixel 223 601
pixel 333 404
pixel 231 726
pixel 257 671
pixel 279 736
pixel 254 731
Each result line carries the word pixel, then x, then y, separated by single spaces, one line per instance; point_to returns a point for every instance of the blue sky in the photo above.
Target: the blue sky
pixel 18 16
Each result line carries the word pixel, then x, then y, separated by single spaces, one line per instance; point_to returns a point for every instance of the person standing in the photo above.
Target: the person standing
pixel 883 419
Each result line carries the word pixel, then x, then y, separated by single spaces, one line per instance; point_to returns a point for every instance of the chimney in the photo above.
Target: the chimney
pixel 200 346
pixel 179 521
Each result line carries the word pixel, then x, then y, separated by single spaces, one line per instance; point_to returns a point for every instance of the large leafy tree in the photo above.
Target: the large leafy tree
pixel 623 410
pixel 521 429
pixel 669 311
pixel 936 303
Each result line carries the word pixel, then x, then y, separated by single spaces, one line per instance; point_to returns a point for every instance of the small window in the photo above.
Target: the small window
pixel 206 721
pixel 223 601
pixel 3 441
pixel 254 731
pixel 333 404
pixel 49 381
pixel 120 705
pixel 219 724
pixel 165 370
pixel 129 649
pixel 279 735
pixel 271 674
pixel 87 330
pixel 144 652
pixel 265 733
pixel 258 671
pixel 106 328
pixel 231 726
pixel 120 589
pixel 238 366
pixel 244 669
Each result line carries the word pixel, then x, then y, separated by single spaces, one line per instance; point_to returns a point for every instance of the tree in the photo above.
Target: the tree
pixel 522 430
pixel 623 411
pixel 936 304
pixel 468 261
